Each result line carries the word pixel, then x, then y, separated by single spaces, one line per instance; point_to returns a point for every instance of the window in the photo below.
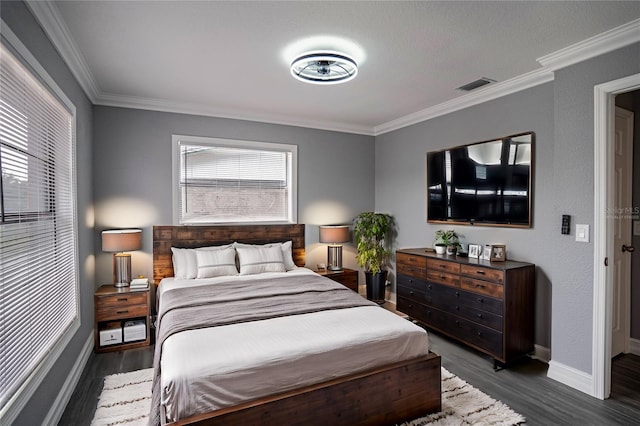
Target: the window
pixel 226 181
pixel 38 260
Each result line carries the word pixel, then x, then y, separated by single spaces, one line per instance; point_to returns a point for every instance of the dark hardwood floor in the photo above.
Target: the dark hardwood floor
pixel 524 387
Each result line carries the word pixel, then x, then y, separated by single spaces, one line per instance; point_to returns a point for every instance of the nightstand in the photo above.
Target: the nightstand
pixel 346 277
pixel 121 318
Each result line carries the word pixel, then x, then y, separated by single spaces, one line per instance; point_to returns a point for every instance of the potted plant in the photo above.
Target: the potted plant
pixel 372 232
pixel 446 241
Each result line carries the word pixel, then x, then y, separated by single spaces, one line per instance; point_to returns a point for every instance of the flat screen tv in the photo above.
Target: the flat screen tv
pixel 485 183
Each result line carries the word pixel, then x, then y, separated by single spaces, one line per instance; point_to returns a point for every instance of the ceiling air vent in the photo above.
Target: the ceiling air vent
pixel 476 84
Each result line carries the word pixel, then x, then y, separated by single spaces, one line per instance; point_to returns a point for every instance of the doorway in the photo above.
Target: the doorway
pixel 605 243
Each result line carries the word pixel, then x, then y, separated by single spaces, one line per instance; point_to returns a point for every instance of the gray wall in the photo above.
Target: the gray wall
pixel 22 23
pixel 572 272
pixel 132 174
pixel 400 182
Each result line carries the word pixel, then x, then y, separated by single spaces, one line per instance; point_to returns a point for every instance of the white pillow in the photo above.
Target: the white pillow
pixel 287 255
pixel 184 263
pixel 259 259
pixel 216 263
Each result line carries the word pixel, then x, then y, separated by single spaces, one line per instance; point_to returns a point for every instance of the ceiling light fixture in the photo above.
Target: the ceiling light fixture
pixel 324 68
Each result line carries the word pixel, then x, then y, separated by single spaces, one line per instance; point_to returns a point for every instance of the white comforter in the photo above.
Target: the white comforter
pixel 207 369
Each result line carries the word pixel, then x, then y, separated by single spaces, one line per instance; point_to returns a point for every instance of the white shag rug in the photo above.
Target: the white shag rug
pixel 125 400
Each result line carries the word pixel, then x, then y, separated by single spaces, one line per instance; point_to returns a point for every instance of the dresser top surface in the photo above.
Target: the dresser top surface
pixel 423 251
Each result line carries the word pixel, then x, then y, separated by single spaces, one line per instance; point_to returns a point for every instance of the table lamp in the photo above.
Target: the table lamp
pixel 118 241
pixel 334 235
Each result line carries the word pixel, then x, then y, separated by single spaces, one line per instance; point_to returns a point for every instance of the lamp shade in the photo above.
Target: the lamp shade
pixel 334 234
pixel 118 240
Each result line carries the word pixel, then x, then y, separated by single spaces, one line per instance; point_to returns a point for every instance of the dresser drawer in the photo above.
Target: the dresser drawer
pixel 413 309
pixel 480 301
pixel 482 287
pixel 121 312
pixel 443 278
pixel 411 260
pixel 411 293
pixel 414 271
pixel 482 337
pixel 413 282
pixel 443 265
pixel 121 300
pixel 483 273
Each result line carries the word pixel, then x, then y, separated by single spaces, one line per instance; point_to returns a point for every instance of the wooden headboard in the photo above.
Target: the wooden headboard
pixel 165 237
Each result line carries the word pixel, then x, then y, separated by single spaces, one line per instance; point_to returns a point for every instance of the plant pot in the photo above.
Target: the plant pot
pixel 440 248
pixel 376 286
pixel 452 249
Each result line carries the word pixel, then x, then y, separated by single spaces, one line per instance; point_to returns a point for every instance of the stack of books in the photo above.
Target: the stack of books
pixel 139 284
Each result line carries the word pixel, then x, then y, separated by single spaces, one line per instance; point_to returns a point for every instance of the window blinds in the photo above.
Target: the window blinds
pixel 38 260
pixel 222 184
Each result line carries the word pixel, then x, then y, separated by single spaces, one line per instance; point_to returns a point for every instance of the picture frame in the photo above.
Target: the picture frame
pixel 498 253
pixel 475 251
pixel 486 255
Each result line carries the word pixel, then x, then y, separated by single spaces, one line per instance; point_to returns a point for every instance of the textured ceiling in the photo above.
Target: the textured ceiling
pixel 231 58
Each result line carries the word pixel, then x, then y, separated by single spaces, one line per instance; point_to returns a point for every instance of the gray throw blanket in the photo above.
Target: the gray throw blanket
pixel 236 301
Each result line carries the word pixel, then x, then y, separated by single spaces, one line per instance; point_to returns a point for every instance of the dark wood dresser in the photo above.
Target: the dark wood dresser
pixel 486 305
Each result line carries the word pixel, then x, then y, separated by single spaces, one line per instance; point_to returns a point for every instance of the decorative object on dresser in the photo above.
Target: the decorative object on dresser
pixel 372 233
pixel 346 277
pixel 121 318
pixel 488 306
pixel 119 241
pixel 335 235
pixel 449 240
pixel 498 253
pixel 475 251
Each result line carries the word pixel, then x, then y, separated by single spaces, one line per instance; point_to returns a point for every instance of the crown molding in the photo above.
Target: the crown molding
pixel 50 20
pixel 162 105
pixel 608 41
pixel 489 92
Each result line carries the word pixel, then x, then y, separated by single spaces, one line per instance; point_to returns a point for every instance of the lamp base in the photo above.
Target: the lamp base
pixel 334 257
pixel 121 269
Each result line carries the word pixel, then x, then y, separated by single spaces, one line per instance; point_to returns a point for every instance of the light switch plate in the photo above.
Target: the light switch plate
pixel 636 227
pixel 582 233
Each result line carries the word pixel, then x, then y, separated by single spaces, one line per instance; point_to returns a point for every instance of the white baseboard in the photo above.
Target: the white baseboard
pixel 571 377
pixel 634 346
pixel 64 396
pixel 542 353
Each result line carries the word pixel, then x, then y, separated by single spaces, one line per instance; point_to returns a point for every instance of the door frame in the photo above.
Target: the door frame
pixel 604 180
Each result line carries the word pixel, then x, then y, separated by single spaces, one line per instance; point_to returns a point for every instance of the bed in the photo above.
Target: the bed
pixel 278 346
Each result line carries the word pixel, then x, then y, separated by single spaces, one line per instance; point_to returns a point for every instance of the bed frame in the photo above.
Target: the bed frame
pixel 386 395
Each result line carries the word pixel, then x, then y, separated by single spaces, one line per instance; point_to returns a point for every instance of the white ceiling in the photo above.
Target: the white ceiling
pixel 231 58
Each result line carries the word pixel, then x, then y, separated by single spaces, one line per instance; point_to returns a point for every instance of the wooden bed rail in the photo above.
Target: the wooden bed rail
pixel 386 395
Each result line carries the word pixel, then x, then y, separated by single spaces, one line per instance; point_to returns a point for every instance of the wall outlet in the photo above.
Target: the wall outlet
pixel 636 227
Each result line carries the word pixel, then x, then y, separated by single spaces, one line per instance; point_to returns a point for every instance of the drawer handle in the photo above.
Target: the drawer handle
pixel 429 286
pixel 122 312
pixel 442 276
pixel 480 333
pixel 480 300
pixel 457 294
pixel 442 266
pixel 412 293
pixel 457 322
pixel 410 281
pixel 457 308
pixel 480 285
pixel 122 299
pixel 480 272
pixel 479 315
